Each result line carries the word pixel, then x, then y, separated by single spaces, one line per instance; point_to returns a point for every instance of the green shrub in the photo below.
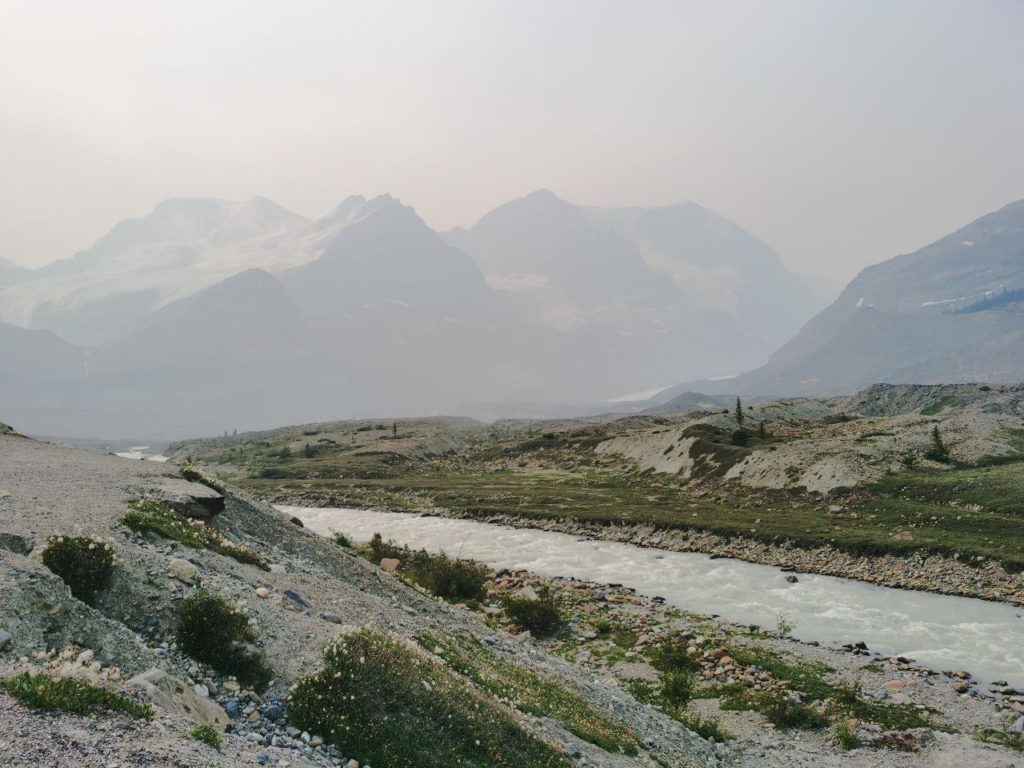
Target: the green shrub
pixel 938 450
pixel 448 578
pixel 708 728
pixel 846 737
pixel 67 694
pixel 380 549
pixel 207 734
pixel 781 710
pixel 542 616
pixel 673 657
pixel 211 631
pixel 342 540
pixel 383 702
pixel 677 688
pixel 85 564
pixel 148 516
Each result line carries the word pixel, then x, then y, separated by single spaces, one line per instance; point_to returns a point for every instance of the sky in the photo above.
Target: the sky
pixel 840 132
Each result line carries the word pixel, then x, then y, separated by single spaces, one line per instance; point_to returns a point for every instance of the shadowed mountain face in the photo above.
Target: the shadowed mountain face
pixel 207 315
pixel 950 312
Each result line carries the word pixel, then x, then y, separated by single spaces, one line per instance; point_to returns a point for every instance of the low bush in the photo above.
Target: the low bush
pixel 448 578
pixel 67 694
pixel 784 711
pixel 148 516
pixel 380 549
pixel 385 703
pixel 85 564
pixel 207 734
pixel 209 630
pixel 677 688
pixel 541 616
pixel 342 540
pixel 673 657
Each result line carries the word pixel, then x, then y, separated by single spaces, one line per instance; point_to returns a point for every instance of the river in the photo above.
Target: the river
pixel 940 631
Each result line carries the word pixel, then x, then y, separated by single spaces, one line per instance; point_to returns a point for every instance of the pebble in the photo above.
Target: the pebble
pixel 262 592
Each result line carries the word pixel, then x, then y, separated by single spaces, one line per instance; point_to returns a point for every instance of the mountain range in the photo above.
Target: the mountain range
pixel 208 314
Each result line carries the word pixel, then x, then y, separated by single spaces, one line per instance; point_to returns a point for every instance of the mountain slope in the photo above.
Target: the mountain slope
pixel 924 317
pixel 640 281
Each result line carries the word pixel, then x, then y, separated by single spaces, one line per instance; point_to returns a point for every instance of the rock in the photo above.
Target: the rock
pixel 6 641
pixel 528 593
pixel 572 749
pixel 201 691
pixel 352 764
pixel 601 597
pixel 296 597
pixel 1018 725
pixel 331 617
pixel 273 712
pixel 169 693
pixel 187 498
pixel 182 570
pixel 390 564
pixel 792 579
pixel 296 521
pixel 262 592
pixel 315 742
pixel 232 710
pixel 961 687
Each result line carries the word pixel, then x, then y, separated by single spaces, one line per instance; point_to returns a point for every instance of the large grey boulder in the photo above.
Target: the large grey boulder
pixel 189 499
pixel 171 694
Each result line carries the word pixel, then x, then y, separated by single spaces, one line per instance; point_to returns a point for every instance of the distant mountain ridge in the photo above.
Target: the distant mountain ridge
pixel 926 317
pixel 207 314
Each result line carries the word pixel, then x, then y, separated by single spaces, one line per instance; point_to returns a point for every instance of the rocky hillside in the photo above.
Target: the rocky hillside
pixel 950 312
pixel 822 445
pixel 126 628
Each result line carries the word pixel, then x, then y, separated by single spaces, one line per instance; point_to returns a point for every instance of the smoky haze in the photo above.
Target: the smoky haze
pixel 839 133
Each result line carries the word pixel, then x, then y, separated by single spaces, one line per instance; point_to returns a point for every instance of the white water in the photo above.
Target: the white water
pixel 939 631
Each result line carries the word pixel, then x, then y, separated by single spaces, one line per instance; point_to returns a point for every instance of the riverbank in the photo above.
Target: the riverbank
pixel 781 701
pixel 983 579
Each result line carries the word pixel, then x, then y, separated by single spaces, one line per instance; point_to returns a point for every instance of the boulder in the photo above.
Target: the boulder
pixel 5 640
pixel 390 564
pixel 183 571
pixel 190 499
pixel 170 694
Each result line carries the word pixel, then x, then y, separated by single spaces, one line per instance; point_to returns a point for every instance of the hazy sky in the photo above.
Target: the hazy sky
pixel 841 133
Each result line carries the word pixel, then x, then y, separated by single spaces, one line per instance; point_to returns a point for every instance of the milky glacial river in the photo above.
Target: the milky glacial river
pixel 942 632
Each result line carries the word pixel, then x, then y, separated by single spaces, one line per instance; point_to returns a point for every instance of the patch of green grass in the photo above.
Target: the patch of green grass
pixel 448 578
pixel 707 728
pixel 207 734
pixel 808 677
pixel 532 693
pixel 384 702
pixel 944 402
pixel 892 717
pixel 779 709
pixel 67 694
pixel 1014 741
pixel 148 516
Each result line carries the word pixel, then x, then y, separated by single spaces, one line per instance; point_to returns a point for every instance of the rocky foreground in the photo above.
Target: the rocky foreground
pixel 301 591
